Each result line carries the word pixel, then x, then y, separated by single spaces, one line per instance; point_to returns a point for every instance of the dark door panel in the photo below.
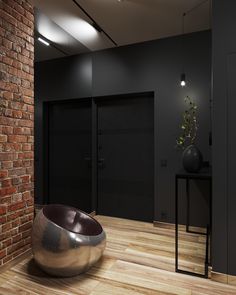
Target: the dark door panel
pixel 70 154
pixel 126 157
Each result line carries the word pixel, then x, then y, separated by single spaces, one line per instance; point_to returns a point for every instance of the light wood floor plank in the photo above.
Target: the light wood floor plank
pixel 139 260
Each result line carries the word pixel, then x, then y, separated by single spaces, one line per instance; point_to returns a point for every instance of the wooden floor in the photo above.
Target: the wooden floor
pixel 139 259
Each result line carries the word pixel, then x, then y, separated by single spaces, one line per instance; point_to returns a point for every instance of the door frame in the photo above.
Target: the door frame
pixel 94 101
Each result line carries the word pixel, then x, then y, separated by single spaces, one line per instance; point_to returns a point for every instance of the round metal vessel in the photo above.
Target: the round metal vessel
pixel 66 241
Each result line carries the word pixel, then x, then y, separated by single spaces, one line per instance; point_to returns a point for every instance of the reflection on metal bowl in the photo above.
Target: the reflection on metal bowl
pixel 66 241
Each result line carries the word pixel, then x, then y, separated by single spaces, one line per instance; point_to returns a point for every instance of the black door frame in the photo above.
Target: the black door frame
pixel 94 101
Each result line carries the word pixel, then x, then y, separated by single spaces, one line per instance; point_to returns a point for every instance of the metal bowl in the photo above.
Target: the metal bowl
pixel 66 241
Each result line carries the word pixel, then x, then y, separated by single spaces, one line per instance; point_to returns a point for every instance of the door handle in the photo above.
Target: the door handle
pixel 101 162
pixel 87 159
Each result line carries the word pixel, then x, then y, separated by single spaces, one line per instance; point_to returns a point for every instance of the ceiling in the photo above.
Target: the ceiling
pixel 68 28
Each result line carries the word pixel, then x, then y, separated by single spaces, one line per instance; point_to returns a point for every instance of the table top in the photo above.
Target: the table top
pixel 204 173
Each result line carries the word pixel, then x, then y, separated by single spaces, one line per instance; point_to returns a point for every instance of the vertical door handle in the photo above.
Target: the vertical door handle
pixel 101 162
pixel 88 160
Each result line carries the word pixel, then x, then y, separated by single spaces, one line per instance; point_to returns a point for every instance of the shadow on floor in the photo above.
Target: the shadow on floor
pixel 36 274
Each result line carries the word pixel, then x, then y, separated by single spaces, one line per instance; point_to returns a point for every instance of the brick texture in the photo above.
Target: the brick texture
pixel 16 127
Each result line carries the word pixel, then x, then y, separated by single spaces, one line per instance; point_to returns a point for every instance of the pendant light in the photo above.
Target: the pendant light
pixel 183 80
pixel 183 75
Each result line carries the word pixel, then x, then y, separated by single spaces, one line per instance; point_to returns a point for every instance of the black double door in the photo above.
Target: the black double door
pixel 125 156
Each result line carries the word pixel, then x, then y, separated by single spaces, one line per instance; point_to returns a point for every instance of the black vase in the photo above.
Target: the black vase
pixel 192 159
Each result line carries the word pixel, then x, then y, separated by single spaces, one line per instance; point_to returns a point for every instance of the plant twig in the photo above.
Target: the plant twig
pixel 189 125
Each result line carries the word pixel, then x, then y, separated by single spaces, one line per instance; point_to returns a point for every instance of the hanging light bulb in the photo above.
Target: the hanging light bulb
pixel 183 76
pixel 183 80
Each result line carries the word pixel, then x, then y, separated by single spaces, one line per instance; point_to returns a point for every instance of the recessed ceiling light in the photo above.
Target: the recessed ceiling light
pixel 43 41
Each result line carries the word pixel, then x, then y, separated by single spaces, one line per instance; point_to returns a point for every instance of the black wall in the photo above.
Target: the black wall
pixel 224 139
pixel 150 66
pixel 57 80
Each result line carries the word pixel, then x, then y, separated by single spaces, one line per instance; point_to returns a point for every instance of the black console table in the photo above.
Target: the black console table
pixel 204 174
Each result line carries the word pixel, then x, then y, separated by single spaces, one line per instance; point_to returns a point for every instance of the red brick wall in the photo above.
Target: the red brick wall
pixel 16 127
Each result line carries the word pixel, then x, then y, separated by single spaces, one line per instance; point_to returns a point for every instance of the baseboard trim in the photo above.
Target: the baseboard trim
pixel 18 259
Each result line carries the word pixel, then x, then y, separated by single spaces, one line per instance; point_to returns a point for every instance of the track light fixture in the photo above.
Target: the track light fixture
pixel 43 41
pixel 97 27
pixel 93 22
pixel 48 42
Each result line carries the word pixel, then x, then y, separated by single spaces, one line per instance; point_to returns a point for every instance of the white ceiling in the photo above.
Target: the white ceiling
pixel 125 21
pixel 64 43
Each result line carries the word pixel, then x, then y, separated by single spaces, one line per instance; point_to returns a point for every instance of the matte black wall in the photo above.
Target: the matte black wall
pixel 150 66
pixel 57 80
pixel 157 66
pixel 224 139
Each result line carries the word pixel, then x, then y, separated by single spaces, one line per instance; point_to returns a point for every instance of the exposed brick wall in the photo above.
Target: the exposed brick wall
pixel 16 127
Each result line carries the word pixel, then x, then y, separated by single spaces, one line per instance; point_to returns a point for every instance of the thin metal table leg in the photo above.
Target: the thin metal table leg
pixel 210 229
pixel 207 252
pixel 208 234
pixel 176 224
pixel 187 195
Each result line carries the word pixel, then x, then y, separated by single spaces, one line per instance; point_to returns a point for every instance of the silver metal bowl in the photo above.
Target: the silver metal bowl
pixel 66 241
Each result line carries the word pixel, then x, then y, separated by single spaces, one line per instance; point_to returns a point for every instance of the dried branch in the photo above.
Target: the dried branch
pixel 189 125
